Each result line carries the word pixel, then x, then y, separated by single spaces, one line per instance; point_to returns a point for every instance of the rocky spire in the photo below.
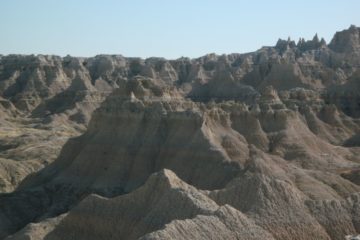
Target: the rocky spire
pixel 283 45
pixel 315 43
pixel 322 42
pixel 316 39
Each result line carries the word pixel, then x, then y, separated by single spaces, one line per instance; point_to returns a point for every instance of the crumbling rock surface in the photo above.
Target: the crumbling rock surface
pixel 263 145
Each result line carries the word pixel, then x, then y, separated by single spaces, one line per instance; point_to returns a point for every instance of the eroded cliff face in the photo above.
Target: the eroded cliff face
pixel 241 146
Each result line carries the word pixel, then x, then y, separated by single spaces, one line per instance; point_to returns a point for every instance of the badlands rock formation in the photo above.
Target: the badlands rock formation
pixel 263 145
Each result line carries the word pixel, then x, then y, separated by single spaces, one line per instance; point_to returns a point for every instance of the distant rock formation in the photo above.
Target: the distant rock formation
pixel 346 41
pixel 263 145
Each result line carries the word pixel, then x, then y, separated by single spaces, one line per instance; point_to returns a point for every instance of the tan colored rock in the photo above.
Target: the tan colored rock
pixel 258 145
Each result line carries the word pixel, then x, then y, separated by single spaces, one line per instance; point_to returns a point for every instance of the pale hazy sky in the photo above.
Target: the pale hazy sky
pixel 165 28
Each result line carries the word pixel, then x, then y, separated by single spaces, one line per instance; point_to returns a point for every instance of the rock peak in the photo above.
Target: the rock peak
pixel 269 94
pixel 347 40
pixel 313 44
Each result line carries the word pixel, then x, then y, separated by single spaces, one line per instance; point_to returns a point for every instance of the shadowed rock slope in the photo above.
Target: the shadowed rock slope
pixel 258 145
